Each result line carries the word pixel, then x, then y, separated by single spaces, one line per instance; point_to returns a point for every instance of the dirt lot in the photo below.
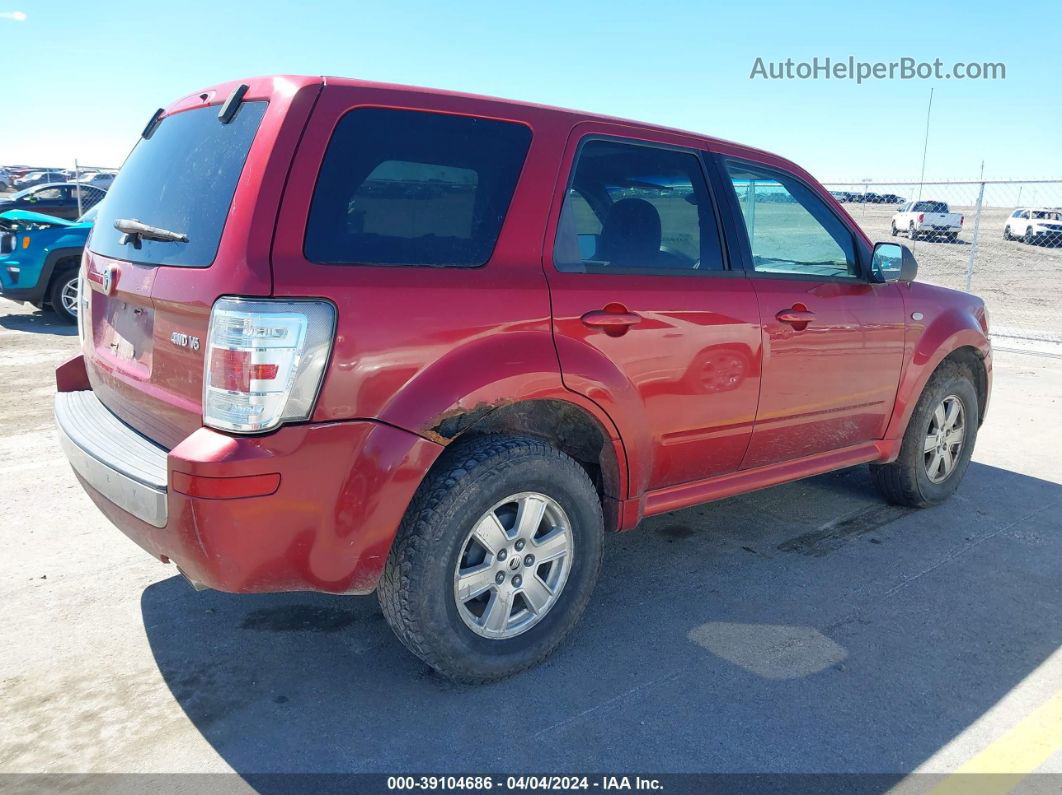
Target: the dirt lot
pixel 808 627
pixel 1020 284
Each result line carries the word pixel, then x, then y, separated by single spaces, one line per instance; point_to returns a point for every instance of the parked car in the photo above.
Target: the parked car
pixel 890 198
pixel 447 391
pixel 99 179
pixel 1035 226
pixel 39 259
pixel 59 200
pixel 841 195
pixel 930 219
pixel 34 178
pixel 6 179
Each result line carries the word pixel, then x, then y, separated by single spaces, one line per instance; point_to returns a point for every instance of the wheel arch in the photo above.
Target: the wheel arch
pixel 955 335
pixel 566 422
pixel 52 266
pixel 974 361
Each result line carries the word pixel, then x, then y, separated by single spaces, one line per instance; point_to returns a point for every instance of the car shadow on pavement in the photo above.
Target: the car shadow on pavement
pixel 805 628
pixel 43 321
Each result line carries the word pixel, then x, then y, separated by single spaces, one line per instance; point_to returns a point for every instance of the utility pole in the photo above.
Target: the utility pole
pixel 925 146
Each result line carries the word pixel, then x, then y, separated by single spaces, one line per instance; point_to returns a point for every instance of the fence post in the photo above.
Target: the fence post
pixel 973 246
pixel 77 179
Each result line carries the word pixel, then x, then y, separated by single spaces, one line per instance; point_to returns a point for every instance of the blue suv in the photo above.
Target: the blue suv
pixel 39 259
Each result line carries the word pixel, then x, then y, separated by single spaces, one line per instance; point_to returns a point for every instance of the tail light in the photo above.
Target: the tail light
pixel 264 363
pixel 921 217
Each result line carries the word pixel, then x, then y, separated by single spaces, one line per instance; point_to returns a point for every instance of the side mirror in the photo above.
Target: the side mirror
pixel 893 262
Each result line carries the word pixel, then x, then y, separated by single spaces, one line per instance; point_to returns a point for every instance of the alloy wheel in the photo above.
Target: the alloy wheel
pixel 513 565
pixel 944 439
pixel 69 296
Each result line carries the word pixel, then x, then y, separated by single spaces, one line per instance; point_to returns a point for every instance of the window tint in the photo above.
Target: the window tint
pixel 930 207
pixel 182 179
pixel 401 187
pixel 637 209
pixel 48 194
pixel 790 229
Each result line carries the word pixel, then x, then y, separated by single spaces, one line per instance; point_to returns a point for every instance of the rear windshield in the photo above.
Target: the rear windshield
pixel 930 207
pixel 401 187
pixel 181 179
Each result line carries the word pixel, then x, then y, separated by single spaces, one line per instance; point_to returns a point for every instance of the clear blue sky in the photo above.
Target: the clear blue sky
pixel 98 70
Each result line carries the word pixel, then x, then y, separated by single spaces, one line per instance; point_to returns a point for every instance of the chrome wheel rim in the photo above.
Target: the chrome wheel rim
pixel 69 296
pixel 513 565
pixel 944 439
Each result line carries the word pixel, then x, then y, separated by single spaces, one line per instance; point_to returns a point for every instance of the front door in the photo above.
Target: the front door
pixel 833 340
pixel 649 320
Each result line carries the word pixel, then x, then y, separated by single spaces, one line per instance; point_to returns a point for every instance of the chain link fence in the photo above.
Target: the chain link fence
pixel 1008 249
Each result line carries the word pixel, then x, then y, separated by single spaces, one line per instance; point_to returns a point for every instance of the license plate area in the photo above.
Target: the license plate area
pixel 124 335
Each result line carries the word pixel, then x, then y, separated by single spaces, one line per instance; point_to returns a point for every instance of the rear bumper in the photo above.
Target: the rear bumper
pixel 120 464
pixel 338 494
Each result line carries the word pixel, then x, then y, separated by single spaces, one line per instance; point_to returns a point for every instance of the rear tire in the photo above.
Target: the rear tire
pixel 63 295
pixel 911 233
pixel 895 231
pixel 1006 233
pixel 470 494
pixel 926 474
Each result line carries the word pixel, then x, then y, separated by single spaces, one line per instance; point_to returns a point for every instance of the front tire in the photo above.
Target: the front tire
pixel 1030 238
pixel 1006 233
pixel 496 558
pixel 63 296
pixel 895 231
pixel 939 441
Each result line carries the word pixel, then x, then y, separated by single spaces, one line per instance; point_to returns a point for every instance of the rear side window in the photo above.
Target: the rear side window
pixel 181 179
pixel 400 187
pixel 635 208
pixel 930 207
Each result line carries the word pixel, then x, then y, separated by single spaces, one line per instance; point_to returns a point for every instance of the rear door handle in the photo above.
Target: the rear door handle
pixel 611 322
pixel 797 316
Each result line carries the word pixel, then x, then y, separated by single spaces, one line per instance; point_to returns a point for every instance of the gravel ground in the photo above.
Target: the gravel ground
pixel 1020 284
pixel 808 627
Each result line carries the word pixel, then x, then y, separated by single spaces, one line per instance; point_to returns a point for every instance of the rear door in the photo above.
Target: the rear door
pixel 649 319
pixel 149 302
pixel 833 340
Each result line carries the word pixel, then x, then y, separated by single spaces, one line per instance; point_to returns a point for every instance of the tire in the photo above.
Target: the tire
pixel 895 231
pixel 418 590
pixel 907 481
pixel 59 295
pixel 911 233
pixel 1029 238
pixel 1006 233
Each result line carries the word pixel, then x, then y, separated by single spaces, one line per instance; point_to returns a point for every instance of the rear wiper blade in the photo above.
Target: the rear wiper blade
pixel 134 232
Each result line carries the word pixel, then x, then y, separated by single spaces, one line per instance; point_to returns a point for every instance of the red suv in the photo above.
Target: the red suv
pixel 342 336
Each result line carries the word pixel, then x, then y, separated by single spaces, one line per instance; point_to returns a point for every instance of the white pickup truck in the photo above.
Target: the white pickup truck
pixel 927 219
